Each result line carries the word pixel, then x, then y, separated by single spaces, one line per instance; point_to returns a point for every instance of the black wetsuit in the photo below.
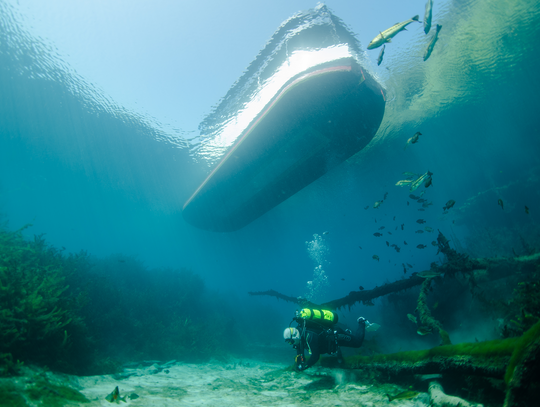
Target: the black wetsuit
pixel 320 340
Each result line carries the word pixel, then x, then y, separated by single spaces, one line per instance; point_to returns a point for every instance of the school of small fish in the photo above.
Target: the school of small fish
pixel 415 180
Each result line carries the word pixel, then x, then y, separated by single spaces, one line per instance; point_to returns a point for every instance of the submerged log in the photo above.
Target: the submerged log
pixel 477 270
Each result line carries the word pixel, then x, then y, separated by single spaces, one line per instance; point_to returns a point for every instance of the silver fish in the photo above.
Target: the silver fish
pixel 427 16
pixel 419 181
pixel 434 39
pixel 381 54
pixel 390 33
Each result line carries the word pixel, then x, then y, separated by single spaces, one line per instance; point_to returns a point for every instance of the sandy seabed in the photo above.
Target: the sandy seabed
pixel 238 383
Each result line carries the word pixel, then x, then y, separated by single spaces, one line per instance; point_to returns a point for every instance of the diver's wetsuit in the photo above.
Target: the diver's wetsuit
pixel 318 341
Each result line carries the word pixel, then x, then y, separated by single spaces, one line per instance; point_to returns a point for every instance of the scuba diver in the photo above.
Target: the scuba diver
pixel 317 333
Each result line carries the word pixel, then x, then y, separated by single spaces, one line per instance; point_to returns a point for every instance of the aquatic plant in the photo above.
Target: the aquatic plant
pixel 37 313
pixel 84 315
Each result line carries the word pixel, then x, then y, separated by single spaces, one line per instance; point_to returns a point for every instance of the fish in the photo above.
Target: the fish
pixel 397 249
pixel 375 257
pixel 325 233
pixel 420 221
pixel 385 195
pixel 403 182
pixel 402 226
pixel 381 54
pixel 360 247
pixel 404 395
pixel 526 210
pixel 393 245
pixel 423 331
pixel 394 218
pixel 434 243
pixel 428 16
pixel 390 33
pixel 414 197
pixel 377 204
pixel 412 318
pixel 366 207
pixel 431 44
pixel 429 181
pixel 389 232
pixel 377 234
pixel 405 243
pixel 404 270
pixel 428 229
pixel 449 204
pixel 114 397
pixel 427 204
pixel 413 139
pixel 360 288
pixel 429 274
pixel 422 210
pixel 407 203
pixel 381 228
pixel 419 231
pixel 421 246
pixel 436 305
pixel 388 244
pixel 420 180
pixel 501 204
pixel 421 200
pixel 409 265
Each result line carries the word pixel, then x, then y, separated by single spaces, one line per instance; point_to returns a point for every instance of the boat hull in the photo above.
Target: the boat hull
pixel 314 123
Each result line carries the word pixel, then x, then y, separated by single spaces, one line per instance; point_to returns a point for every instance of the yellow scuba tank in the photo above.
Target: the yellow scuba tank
pixel 320 316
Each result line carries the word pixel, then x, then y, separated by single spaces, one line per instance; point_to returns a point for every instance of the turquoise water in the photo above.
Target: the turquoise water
pixel 96 176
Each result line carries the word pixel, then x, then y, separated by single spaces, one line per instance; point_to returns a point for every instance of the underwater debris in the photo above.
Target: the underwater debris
pixel 390 33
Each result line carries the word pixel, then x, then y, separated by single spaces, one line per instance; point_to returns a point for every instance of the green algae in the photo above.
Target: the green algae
pixel 53 395
pixel 520 347
pixel 10 396
pixel 488 349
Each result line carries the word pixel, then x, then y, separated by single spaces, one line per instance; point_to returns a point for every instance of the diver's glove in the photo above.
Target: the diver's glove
pixel 362 320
